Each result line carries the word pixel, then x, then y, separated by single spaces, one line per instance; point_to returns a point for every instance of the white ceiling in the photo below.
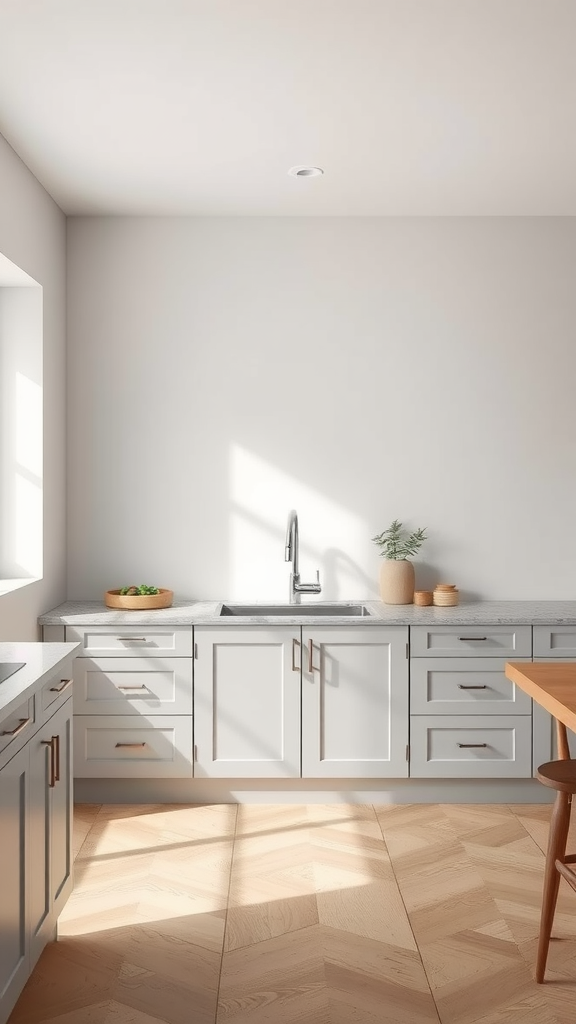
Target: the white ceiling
pixel 412 107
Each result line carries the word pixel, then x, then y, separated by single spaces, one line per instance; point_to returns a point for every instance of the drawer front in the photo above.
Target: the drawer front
pixel 131 641
pixel 507 642
pixel 57 690
pixel 464 686
pixel 133 686
pixel 471 747
pixel 16 729
pixel 555 642
pixel 119 747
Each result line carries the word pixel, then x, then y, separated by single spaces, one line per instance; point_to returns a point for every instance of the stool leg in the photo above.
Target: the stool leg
pixel 559 824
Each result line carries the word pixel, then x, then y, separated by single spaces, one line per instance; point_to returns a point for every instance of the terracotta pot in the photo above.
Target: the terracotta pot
pixel 396 581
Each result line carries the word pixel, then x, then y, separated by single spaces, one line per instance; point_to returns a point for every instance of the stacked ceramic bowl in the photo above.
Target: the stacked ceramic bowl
pixel 445 595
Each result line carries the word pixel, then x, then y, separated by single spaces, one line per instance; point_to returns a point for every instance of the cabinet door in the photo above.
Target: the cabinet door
pixel 50 880
pixel 14 845
pixel 354 702
pixel 247 703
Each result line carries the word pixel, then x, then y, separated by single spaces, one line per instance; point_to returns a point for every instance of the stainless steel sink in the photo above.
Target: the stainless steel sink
pixel 8 668
pixel 356 611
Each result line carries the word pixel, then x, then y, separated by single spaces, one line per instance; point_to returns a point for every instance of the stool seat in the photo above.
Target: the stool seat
pixel 558 775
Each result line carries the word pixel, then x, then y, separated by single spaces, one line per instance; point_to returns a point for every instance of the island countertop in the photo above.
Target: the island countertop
pixel 202 613
pixel 39 659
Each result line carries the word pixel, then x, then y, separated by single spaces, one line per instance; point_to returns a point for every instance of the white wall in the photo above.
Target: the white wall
pixel 223 371
pixel 33 236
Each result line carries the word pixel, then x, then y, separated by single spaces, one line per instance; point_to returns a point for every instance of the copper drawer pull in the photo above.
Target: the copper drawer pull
pixel 130 744
pixel 295 644
pixel 462 686
pixel 50 743
pixel 18 729
pixel 64 684
pixel 56 741
pixel 133 639
pixel 472 744
pixel 311 666
pixel 135 689
pixel 472 637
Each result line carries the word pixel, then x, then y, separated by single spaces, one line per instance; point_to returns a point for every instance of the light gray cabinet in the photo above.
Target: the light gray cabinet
pixel 354 702
pixel 247 702
pixel 35 831
pixel 50 881
pixel 14 855
pixel 132 701
pixel 285 702
pixel 467 720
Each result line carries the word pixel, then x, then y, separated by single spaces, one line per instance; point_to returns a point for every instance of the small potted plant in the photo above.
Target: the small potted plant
pixel 397 546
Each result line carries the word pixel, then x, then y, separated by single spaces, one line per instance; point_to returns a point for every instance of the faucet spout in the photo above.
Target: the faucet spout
pixel 291 555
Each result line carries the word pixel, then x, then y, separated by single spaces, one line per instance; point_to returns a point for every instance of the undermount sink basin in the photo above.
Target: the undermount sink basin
pixel 356 611
pixel 8 668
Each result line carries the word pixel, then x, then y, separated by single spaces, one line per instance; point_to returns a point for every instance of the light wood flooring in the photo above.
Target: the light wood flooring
pixel 333 914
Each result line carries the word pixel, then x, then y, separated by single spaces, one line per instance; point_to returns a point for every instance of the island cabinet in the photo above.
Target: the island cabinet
pixel 35 830
pixel 467 719
pixel 289 702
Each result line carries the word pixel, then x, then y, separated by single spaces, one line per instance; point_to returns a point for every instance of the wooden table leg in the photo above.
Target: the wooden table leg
pixel 562 738
pixel 559 824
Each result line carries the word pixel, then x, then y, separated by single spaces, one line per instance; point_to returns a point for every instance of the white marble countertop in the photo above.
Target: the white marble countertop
pixel 187 613
pixel 39 659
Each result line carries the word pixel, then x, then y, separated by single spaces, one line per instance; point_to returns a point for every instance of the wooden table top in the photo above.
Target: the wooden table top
pixel 552 684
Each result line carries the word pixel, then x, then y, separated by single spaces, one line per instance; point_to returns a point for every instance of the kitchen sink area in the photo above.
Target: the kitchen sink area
pixel 8 668
pixel 355 611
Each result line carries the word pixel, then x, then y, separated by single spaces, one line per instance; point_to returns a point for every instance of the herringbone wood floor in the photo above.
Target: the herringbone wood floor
pixel 332 914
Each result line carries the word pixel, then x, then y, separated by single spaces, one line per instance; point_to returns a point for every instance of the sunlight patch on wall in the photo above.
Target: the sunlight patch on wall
pixel 332 538
pixel 21 428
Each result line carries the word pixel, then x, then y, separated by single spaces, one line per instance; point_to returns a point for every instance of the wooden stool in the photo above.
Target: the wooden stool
pixel 561 776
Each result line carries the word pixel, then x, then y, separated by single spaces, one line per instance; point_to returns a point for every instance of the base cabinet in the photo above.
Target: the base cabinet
pixel 14 857
pixel 50 822
pixel 288 702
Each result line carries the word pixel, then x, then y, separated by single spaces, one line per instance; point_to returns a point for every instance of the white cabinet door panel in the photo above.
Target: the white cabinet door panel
pixel 354 702
pixel 14 850
pixel 247 703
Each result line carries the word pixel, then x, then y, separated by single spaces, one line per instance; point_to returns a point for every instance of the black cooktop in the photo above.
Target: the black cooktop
pixel 8 668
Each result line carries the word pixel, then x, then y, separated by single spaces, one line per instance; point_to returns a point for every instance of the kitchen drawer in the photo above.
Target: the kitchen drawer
pixel 555 642
pixel 119 747
pixel 505 642
pixel 446 747
pixel 130 641
pixel 133 686
pixel 16 729
pixel 56 691
pixel 464 686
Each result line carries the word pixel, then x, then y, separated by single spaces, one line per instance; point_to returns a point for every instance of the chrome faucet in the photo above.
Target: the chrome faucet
pixel 291 555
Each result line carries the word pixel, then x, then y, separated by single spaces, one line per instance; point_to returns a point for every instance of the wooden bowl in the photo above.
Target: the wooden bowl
pixel 135 602
pixel 445 598
pixel 423 598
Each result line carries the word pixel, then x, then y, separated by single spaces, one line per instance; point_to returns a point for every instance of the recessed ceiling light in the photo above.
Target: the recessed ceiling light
pixel 306 172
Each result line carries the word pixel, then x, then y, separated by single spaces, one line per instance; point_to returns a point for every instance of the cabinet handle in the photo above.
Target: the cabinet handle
pixel 472 744
pixel 295 644
pixel 50 743
pixel 133 639
pixel 311 666
pixel 130 744
pixel 462 686
pixel 475 638
pixel 56 741
pixel 64 684
pixel 135 689
pixel 18 729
